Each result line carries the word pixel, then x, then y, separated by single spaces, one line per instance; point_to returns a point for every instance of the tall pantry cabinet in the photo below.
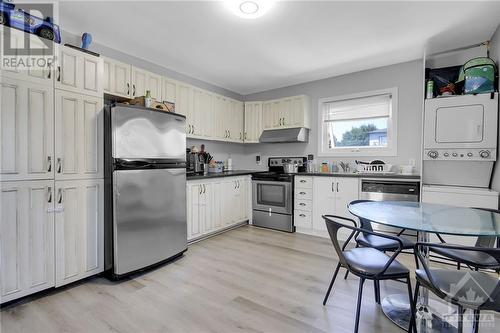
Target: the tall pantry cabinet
pixel 51 173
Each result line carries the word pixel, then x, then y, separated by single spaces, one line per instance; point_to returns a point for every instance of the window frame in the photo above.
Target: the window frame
pixel 392 127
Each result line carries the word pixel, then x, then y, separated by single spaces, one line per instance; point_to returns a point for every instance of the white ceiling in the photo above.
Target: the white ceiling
pixel 297 41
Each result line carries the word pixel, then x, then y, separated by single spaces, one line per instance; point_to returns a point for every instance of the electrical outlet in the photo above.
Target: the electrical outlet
pixel 258 160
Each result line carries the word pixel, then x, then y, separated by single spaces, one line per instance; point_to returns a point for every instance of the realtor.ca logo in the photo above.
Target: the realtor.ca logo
pixel 472 292
pixel 28 35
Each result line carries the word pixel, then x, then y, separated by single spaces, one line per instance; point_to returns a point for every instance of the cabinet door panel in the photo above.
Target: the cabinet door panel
pixel 40 130
pixel 121 79
pixel 12 244
pixel 139 82
pixel 323 200
pixel 348 190
pixel 93 140
pixel 27 238
pixel 68 129
pixel 10 127
pixel 169 91
pixel 91 78
pixel 107 76
pixel 154 84
pixel 69 72
pixel 194 193
pixel 208 201
pixel 26 122
pixel 79 228
pixel 41 236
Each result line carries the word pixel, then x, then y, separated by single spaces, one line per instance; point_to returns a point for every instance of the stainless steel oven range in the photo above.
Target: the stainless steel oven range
pixel 273 194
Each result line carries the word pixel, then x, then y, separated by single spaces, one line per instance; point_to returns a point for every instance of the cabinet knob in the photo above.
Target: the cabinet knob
pixel 302 215
pixel 49 163
pixel 59 73
pixel 128 88
pixel 302 193
pixel 60 196
pixel 303 181
pixel 59 165
pixel 49 194
pixel 302 204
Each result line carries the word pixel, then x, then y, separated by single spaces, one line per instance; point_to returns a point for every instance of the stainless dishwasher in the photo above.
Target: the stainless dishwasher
pixel 390 190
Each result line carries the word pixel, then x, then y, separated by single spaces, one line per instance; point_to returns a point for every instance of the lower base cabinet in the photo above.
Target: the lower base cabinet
pixel 215 204
pixel 51 234
pixel 26 238
pixel 320 195
pixel 79 229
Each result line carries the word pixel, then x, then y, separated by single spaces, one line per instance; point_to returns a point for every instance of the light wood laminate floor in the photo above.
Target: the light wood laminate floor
pixel 245 280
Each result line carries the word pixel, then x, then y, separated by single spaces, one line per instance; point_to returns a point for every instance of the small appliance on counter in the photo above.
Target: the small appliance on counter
pixel 273 193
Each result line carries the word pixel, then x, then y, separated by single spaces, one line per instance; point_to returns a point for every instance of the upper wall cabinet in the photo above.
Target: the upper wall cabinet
pixel 45 75
pixel 143 80
pixel 169 90
pixel 286 112
pixel 253 122
pixel 26 130
pixel 117 78
pixel 79 72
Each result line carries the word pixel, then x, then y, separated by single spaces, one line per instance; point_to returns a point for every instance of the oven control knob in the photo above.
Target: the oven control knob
pixel 470 154
pixel 484 153
pixel 454 154
pixel 433 154
pixel 446 154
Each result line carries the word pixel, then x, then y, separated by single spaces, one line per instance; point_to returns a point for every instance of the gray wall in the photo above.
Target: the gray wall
pixel 495 55
pixel 155 68
pixel 407 77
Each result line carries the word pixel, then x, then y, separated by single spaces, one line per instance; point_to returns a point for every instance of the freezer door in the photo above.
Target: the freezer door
pixel 147 134
pixel 149 220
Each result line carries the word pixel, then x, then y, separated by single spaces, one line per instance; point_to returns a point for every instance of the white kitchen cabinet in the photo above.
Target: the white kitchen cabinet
pixel 287 112
pixel 169 91
pixel 26 238
pixel 78 136
pixel 236 120
pixel 215 204
pixel 79 72
pixel 143 80
pixel 221 111
pixel 253 122
pixel 201 117
pixel 41 76
pixel 27 130
pixel 79 229
pixel 117 78
pixel 330 196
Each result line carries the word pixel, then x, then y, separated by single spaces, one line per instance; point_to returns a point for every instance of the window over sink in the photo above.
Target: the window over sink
pixel 362 124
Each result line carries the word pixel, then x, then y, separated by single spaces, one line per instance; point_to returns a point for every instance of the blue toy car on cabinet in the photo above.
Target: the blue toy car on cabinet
pixel 19 19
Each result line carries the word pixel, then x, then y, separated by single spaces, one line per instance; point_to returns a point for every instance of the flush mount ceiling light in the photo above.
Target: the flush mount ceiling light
pixel 249 9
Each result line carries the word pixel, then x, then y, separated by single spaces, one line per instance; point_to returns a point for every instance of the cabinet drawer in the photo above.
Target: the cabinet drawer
pixel 303 182
pixel 302 219
pixel 303 193
pixel 303 205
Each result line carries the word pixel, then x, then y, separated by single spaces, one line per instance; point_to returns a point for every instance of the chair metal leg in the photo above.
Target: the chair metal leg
pixel 413 325
pixel 476 322
pixel 331 283
pixel 360 296
pixel 415 301
pixel 458 266
pixel 347 272
pixel 376 289
pixel 460 319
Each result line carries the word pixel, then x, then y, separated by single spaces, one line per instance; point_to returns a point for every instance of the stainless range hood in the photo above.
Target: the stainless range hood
pixel 298 134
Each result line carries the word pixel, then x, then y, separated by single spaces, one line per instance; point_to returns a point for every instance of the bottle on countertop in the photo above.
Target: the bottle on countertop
pixel 148 100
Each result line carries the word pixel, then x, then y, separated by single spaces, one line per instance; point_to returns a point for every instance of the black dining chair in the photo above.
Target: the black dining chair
pixel 466 289
pixel 473 259
pixel 380 243
pixel 365 262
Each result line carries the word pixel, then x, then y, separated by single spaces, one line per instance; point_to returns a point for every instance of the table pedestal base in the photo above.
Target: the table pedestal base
pixel 397 309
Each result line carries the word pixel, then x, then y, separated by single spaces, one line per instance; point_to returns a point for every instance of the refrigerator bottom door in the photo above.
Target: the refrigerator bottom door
pixel 149 217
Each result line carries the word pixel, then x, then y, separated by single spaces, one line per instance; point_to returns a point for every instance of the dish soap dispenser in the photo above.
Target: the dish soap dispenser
pixel 148 100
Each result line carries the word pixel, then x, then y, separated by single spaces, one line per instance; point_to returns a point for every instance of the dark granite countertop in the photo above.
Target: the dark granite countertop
pixel 222 174
pixel 334 174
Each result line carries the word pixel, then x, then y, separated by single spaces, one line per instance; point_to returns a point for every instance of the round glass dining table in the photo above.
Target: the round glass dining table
pixel 426 219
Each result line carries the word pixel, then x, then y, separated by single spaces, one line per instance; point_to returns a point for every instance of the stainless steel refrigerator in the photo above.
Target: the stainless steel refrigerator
pixel 145 192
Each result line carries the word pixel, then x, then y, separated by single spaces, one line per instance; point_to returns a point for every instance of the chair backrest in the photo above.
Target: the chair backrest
pixel 335 223
pixel 488 241
pixel 364 223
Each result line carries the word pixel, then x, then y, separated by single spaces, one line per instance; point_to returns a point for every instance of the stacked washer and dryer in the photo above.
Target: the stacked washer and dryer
pixel 460 150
